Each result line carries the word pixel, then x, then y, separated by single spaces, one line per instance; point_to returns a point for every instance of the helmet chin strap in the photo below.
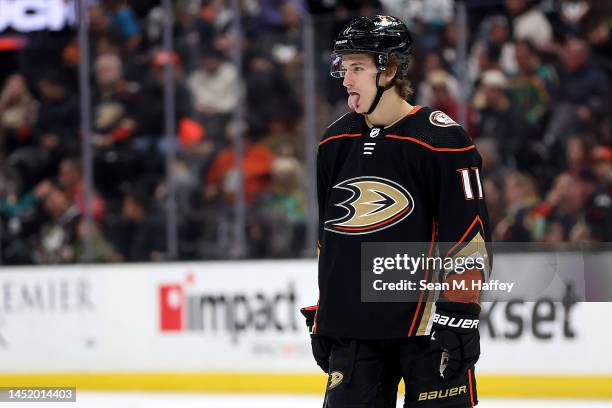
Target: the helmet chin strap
pixel 379 93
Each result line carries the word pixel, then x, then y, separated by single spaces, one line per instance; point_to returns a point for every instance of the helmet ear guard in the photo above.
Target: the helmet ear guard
pixel 382 62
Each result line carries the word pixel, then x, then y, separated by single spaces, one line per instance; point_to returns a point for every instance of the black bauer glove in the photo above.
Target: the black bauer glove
pixel 321 345
pixel 455 340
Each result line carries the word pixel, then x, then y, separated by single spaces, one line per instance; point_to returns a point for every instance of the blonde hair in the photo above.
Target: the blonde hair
pixel 402 85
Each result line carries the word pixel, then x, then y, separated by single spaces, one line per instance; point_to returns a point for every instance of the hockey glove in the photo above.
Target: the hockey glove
pixel 455 340
pixel 321 345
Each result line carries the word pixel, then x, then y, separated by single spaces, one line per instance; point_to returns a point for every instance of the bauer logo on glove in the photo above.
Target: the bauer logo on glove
pixel 455 340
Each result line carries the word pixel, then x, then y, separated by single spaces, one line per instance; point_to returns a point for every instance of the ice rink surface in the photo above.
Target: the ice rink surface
pixel 189 400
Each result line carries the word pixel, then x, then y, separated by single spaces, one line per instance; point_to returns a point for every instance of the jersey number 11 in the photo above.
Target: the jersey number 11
pixel 467 183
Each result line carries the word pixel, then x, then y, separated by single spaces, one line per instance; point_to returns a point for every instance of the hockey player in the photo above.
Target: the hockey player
pixel 388 171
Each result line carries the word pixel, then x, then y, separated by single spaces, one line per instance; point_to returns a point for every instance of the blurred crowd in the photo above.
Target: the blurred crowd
pixel 538 88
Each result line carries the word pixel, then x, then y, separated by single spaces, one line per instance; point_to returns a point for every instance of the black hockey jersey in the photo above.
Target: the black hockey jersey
pixel 417 180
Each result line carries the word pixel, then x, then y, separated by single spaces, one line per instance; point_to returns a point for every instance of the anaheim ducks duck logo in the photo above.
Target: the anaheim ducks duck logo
pixel 375 203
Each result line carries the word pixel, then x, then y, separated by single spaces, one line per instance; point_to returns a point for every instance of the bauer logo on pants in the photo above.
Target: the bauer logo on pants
pixel 448 392
pixel 375 203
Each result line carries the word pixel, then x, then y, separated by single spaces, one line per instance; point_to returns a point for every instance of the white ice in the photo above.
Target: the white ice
pixel 190 400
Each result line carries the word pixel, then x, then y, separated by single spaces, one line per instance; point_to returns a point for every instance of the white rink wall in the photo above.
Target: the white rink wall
pixel 242 318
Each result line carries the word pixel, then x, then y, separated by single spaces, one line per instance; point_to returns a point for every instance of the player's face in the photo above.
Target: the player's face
pixel 359 80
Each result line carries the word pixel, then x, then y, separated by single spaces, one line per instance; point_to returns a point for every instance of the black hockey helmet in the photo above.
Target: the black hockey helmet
pixel 378 35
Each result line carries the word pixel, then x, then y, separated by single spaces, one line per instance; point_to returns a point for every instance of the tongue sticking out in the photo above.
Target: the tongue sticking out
pixel 353 101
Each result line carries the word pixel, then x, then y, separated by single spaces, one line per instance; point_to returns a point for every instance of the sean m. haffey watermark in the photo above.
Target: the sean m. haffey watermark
pixel 456 264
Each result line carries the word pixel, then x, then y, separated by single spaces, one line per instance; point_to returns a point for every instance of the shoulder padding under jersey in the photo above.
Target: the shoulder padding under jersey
pixel 349 123
pixel 432 129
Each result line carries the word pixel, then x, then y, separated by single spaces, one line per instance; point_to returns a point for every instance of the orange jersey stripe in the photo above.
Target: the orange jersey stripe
pixel 414 110
pixel 339 136
pixel 467 231
pixel 430 147
pixel 314 326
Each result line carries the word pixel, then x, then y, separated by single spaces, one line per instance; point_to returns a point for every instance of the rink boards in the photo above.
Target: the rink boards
pixel 235 326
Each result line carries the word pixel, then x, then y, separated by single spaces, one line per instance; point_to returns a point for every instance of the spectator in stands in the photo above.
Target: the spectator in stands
pixel 152 120
pixel 495 33
pixel 58 115
pixel 434 67
pixel 530 100
pixel 600 42
pixel 280 211
pixel 520 196
pixel 546 72
pixel 590 214
pixel 99 28
pixel 116 103
pixel 598 214
pixel 572 16
pixel 565 204
pixel 495 200
pixel 584 83
pixel 527 91
pixel 18 217
pixel 281 37
pixel 18 111
pixel 583 96
pixel 221 179
pixel 554 233
pixel 214 89
pixel 272 15
pixel 488 59
pixel 602 163
pixel 489 152
pixel 196 29
pixel 288 49
pixel 497 118
pixel 102 251
pixel 72 182
pixel 140 237
pixel 572 208
pixel 442 98
pixel 529 22
pixel 55 131
pixel 118 106
pixel 435 13
pixel 58 236
pixel 449 44
pixel 265 81
pixel 599 208
pixel 576 155
pixel 123 23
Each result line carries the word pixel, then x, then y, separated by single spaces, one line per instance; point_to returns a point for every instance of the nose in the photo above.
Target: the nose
pixel 348 79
